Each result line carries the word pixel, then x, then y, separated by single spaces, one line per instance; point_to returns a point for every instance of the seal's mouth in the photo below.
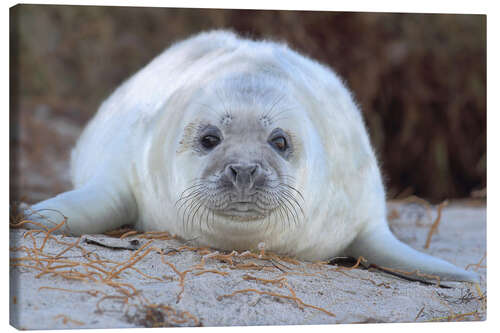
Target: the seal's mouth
pixel 242 206
pixel 243 209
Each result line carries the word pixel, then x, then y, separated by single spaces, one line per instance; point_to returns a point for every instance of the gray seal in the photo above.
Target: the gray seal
pixel 233 143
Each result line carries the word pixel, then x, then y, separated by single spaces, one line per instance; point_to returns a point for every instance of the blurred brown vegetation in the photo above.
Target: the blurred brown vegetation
pixel 420 80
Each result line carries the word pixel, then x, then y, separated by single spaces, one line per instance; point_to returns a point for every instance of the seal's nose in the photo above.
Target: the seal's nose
pixel 242 175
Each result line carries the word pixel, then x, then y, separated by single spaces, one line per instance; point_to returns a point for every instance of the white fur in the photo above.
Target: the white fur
pixel 128 166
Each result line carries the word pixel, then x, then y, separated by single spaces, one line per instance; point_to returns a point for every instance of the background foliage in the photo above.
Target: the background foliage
pixel 420 79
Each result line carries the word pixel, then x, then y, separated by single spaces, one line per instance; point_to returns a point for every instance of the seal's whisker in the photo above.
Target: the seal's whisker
pixel 280 210
pixel 200 219
pixel 193 195
pixel 189 210
pixel 277 100
pixel 285 221
pixel 195 186
pixel 285 209
pixel 195 208
pixel 292 197
pixel 292 208
pixel 207 210
pixel 185 211
pixel 206 201
pixel 200 204
pixel 276 117
pixel 217 113
pixel 203 210
pixel 194 192
pixel 227 112
pixel 200 183
pixel 293 189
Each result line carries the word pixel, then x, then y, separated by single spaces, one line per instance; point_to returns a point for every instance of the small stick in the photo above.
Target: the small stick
pixel 419 313
pixel 478 265
pixel 211 271
pixel 128 233
pixel 435 224
pixel 67 319
pixel 356 265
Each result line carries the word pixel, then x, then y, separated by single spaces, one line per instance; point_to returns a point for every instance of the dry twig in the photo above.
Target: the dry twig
pixel 435 224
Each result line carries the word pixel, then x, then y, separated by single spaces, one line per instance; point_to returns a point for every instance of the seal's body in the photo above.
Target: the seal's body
pixel 233 142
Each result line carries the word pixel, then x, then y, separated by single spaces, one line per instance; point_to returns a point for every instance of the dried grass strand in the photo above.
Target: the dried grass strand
pixel 434 226
pixel 67 320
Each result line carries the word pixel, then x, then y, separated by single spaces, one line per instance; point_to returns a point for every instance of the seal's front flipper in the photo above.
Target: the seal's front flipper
pixel 93 208
pixel 381 248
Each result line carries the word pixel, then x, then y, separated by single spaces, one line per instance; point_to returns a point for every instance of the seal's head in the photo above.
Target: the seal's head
pixel 245 155
pixel 254 143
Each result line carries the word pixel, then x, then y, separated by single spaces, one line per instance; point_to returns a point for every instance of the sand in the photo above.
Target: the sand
pixel 240 289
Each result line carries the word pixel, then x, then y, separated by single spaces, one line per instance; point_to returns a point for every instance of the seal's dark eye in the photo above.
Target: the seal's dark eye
pixel 209 137
pixel 210 141
pixel 279 143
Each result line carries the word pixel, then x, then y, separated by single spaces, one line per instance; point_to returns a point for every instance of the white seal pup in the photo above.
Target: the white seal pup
pixel 233 142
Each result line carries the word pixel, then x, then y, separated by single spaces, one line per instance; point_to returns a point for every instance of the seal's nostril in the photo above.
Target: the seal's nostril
pixel 253 170
pixel 234 172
